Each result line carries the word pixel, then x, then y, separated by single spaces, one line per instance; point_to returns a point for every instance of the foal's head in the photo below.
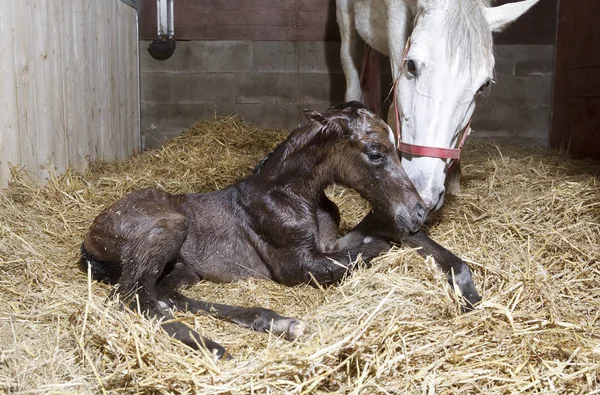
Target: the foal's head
pixel 363 155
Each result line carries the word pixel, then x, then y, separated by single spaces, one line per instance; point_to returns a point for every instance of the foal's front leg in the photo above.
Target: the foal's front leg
pixel 455 268
pixel 373 229
pixel 326 268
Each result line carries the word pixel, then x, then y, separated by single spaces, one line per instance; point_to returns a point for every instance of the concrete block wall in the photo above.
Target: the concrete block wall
pixel 519 104
pixel 268 83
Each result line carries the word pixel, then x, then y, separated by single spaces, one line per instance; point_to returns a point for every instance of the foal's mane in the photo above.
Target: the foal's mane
pixel 321 128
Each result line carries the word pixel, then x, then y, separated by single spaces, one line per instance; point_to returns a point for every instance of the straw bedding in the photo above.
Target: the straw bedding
pixel 527 222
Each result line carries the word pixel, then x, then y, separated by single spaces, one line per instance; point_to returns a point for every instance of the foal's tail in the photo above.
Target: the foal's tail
pixel 107 272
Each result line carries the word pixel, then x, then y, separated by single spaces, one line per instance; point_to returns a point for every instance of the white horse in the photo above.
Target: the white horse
pixel 450 61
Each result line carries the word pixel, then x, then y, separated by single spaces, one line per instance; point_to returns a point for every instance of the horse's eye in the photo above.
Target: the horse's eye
pixel 375 157
pixel 485 86
pixel 411 67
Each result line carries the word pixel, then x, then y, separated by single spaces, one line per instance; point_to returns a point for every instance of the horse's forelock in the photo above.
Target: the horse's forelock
pixel 467 32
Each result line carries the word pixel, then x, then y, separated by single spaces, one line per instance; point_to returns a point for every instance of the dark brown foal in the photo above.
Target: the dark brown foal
pixel 276 224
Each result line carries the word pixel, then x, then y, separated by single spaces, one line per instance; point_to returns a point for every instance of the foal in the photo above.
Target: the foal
pixel 275 224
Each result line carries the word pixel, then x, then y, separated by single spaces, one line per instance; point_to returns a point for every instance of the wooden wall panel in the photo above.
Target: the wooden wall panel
pixel 576 108
pixel 69 78
pixel 304 20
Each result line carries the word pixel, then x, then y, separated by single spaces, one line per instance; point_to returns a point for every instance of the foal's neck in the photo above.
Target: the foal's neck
pixel 303 163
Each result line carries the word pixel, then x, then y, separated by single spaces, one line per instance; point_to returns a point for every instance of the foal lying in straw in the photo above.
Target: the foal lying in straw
pixel 277 224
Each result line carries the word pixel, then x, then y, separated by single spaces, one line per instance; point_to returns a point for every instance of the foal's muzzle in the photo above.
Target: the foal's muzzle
pixel 419 215
pixel 412 220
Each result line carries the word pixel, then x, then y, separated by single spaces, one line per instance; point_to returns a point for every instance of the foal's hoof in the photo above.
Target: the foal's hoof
pixel 470 301
pixel 291 328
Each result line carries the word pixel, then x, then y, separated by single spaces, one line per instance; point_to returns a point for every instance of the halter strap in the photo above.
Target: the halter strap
pixel 421 150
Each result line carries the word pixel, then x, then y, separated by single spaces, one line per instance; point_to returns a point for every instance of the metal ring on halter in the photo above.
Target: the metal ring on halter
pixel 420 150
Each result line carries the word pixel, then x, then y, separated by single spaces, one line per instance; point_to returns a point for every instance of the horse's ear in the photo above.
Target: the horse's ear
pixel 501 16
pixel 315 116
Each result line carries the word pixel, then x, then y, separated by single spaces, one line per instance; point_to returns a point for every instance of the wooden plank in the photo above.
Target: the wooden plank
pixel 583 133
pixel 43 85
pixel 583 82
pixel 54 54
pixel 9 139
pixel 578 27
pixel 579 7
pixel 77 106
pixel 254 5
pixel 25 94
pixel 578 54
pixel 91 69
pixel 118 71
pixel 256 33
pixel 251 19
pixel 133 74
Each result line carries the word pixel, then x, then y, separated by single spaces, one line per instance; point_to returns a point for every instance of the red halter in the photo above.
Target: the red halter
pixel 419 150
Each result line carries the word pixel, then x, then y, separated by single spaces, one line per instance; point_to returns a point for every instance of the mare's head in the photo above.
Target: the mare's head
pixel 359 151
pixel 450 63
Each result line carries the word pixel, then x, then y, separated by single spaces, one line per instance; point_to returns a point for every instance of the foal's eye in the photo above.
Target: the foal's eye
pixel 375 157
pixel 411 67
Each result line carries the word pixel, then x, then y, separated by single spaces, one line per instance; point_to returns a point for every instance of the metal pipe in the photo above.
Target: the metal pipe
pixel 165 18
pixel 163 47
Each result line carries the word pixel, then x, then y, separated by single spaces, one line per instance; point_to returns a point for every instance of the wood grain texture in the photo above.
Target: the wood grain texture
pixel 576 108
pixel 305 20
pixel 70 86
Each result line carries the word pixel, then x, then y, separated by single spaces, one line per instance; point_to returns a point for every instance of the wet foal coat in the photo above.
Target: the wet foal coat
pixel 276 224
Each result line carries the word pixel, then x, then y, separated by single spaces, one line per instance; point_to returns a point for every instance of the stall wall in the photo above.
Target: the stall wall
pixel 69 79
pixel 576 124
pixel 268 59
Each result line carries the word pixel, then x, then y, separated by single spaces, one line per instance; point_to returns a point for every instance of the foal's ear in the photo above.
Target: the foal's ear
pixel 503 15
pixel 315 116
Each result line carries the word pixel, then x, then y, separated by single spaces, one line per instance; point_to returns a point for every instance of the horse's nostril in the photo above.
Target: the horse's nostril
pixel 428 202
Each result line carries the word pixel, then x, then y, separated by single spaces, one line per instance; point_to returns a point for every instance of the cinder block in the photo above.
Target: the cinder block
pixel 319 56
pixel 492 120
pixel 254 113
pixel 534 59
pixel 156 87
pixel 220 56
pixel 321 88
pixel 287 116
pixel 505 59
pixel 164 121
pixel 161 122
pixel 275 56
pixel 179 61
pixel 520 91
pixel 265 87
pixel 204 87
pixel 532 122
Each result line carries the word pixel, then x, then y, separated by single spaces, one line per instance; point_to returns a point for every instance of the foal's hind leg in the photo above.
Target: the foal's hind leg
pixel 149 252
pixel 255 318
